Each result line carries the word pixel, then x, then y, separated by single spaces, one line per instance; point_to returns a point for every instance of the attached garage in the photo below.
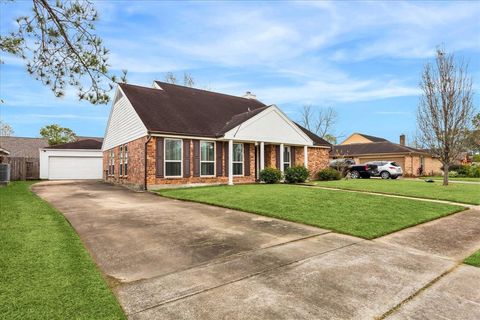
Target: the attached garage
pixel 76 160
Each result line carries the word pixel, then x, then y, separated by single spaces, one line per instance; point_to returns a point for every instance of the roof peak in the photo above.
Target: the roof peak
pixel 160 83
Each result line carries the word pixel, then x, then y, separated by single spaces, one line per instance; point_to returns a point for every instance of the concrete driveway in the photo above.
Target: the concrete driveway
pixel 167 259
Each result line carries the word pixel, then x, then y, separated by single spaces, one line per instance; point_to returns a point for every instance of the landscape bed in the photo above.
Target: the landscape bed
pixel 46 272
pixel 361 215
pixel 456 192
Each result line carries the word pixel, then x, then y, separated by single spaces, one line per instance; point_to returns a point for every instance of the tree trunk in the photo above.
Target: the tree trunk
pixel 445 174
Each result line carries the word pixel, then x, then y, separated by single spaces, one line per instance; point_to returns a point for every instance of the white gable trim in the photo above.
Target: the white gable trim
pixel 271 125
pixel 124 124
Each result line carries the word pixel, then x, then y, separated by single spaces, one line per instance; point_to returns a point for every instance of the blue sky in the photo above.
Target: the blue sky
pixel 362 58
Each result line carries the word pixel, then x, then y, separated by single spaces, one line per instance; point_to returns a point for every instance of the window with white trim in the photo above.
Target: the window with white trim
pixel 120 157
pixel 287 157
pixel 111 163
pixel 207 158
pixel 173 158
pixel 125 160
pixel 237 159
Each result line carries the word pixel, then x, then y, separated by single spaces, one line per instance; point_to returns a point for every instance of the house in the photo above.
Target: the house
pixel 22 155
pixel 175 135
pixel 82 159
pixel 364 148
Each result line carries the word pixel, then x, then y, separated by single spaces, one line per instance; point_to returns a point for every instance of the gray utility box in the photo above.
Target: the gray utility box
pixel 4 173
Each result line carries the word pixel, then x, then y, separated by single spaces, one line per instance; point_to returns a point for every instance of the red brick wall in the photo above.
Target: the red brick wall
pixel 153 180
pixel 136 160
pixel 317 160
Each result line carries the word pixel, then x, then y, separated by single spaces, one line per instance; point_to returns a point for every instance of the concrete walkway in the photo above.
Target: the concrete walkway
pixel 169 259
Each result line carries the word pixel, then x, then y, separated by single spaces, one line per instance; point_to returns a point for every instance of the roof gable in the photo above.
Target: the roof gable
pixel 362 138
pixel 269 125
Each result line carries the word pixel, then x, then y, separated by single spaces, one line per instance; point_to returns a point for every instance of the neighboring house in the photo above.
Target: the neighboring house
pixel 171 134
pixel 81 159
pixel 22 156
pixel 364 148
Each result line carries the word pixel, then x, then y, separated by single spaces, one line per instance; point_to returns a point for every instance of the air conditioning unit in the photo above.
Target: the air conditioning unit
pixel 4 173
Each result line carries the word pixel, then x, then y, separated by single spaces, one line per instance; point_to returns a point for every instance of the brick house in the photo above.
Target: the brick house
pixel 176 135
pixel 364 148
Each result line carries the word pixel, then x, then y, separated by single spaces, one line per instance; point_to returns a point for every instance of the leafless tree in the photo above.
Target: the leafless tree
pixel 445 110
pixel 188 80
pixel 320 121
pixel 58 42
pixel 6 130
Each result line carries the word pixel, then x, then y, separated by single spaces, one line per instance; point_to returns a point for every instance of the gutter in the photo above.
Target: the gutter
pixel 145 164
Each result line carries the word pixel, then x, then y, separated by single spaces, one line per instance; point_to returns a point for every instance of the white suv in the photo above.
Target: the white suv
pixel 387 169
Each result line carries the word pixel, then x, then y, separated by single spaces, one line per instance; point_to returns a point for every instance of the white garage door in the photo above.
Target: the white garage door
pixel 74 168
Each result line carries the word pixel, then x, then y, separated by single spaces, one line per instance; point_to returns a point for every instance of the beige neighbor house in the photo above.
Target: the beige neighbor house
pixel 364 148
pixel 175 135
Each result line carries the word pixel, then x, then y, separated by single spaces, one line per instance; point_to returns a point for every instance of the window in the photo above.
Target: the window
pixel 120 156
pixel 207 158
pixel 237 159
pixel 286 157
pixel 173 158
pixel 125 160
pixel 111 164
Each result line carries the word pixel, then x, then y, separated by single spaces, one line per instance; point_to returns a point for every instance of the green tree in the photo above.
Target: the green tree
pixel 56 134
pixel 58 42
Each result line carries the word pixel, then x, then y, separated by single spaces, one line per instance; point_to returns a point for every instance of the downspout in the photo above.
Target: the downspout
pixel 145 165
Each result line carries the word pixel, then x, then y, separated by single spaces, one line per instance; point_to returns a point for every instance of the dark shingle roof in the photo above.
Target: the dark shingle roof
pixel 93 144
pixel 22 146
pixel 188 111
pixel 372 148
pixel 372 138
pixel 317 141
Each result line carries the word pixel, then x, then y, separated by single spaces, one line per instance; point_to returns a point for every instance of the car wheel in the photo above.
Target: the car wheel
pixel 385 175
pixel 354 174
pixel 394 177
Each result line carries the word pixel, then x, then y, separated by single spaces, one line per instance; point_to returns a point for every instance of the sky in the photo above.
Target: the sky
pixel 364 59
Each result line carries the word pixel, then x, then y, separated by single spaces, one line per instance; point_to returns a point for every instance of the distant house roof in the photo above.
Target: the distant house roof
pixel 4 152
pixel 93 144
pixel 174 109
pixel 372 138
pixel 372 148
pixel 22 146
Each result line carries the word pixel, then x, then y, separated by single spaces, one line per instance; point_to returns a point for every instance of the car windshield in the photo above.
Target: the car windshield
pixel 394 164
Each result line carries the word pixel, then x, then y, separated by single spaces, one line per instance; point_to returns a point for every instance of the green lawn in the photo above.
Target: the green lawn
pixel 45 271
pixel 459 192
pixel 453 179
pixel 360 215
pixel 474 259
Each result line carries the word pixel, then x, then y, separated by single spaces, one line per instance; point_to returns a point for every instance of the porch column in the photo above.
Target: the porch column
pixel 281 157
pixel 230 162
pixel 305 156
pixel 262 156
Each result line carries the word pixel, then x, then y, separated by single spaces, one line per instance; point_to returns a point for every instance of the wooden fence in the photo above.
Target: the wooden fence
pixel 23 168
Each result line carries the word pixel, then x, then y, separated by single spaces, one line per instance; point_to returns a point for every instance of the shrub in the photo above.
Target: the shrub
pixel 453 174
pixel 297 174
pixel 270 175
pixel 476 158
pixel 463 171
pixel 474 171
pixel 329 174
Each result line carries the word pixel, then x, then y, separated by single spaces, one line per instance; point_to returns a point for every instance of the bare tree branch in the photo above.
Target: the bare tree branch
pixel 445 110
pixel 60 48
pixel 321 122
